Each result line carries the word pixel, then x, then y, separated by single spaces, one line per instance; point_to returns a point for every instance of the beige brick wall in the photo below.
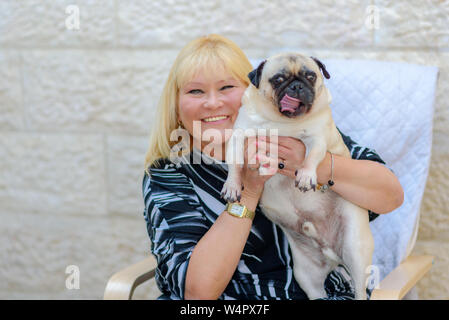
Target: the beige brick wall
pixel 76 106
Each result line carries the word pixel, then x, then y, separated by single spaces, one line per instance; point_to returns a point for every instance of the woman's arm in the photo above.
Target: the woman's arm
pixel 366 183
pixel 195 261
pixel 216 256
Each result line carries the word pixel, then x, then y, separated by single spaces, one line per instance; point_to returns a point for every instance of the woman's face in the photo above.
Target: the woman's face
pixel 210 100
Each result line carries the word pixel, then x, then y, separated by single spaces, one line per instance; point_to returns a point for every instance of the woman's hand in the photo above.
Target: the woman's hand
pixel 260 151
pixel 252 181
pixel 290 152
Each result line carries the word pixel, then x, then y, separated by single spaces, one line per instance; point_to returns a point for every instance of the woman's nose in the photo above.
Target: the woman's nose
pixel 213 100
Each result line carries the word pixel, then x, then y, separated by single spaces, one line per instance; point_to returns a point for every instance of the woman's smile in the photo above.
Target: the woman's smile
pixel 216 119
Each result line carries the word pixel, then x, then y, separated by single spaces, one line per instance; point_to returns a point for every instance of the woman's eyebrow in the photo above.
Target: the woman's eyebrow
pixel 226 80
pixel 195 83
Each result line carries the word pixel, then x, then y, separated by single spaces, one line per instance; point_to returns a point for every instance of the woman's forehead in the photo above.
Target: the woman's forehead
pixel 206 75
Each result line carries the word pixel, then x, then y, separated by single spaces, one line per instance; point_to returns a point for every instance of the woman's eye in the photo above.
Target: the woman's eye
pixel 195 91
pixel 227 87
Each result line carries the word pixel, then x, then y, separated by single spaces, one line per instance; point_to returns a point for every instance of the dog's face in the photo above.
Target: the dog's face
pixel 290 81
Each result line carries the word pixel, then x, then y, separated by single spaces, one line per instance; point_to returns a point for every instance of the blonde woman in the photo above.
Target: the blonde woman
pixel 203 252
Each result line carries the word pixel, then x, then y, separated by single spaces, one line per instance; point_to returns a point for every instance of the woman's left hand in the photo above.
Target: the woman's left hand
pixel 291 153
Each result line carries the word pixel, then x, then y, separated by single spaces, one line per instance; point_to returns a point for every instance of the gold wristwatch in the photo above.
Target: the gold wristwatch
pixel 239 210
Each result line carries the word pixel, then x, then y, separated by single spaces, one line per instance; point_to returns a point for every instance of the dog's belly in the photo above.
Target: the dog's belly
pixel 314 220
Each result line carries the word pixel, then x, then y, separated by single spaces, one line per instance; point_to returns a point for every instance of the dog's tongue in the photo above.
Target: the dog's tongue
pixel 289 104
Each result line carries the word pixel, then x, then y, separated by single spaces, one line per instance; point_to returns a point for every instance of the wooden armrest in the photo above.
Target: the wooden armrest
pixel 396 285
pixel 122 284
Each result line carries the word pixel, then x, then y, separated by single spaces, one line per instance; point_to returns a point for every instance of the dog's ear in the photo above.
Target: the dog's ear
pixel 322 67
pixel 256 74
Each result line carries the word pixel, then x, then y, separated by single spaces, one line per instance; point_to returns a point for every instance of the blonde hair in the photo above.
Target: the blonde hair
pixel 205 53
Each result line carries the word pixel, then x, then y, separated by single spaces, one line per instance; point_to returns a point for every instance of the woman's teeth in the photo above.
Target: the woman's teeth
pixel 215 118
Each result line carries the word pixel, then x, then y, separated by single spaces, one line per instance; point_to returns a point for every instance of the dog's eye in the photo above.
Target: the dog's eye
pixel 311 76
pixel 279 80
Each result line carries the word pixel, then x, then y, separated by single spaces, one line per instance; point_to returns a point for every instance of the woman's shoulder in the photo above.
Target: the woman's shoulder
pixel 166 174
pixel 161 166
pixel 168 187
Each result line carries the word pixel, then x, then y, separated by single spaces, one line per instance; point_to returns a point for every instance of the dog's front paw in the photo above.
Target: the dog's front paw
pixel 305 179
pixel 232 191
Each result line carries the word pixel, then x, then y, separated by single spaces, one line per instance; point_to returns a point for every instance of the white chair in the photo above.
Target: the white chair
pixel 387 106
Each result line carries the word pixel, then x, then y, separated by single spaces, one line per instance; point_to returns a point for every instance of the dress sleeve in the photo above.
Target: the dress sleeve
pixel 175 223
pixel 359 152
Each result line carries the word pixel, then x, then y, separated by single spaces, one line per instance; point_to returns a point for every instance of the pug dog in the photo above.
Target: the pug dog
pixel 287 93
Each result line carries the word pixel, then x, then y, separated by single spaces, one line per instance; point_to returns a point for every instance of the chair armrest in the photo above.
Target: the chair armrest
pixel 396 284
pixel 122 284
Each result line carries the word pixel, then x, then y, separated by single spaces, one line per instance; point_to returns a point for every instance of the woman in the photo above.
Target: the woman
pixel 202 251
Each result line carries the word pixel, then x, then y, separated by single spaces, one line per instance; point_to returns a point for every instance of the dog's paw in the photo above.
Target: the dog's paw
pixel 232 191
pixel 305 179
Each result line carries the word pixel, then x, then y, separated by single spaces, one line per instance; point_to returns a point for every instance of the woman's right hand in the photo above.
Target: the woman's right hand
pixel 255 155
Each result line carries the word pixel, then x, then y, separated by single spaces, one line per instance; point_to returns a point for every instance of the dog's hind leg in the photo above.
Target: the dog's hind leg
pixel 312 282
pixel 309 272
pixel 357 270
pixel 358 246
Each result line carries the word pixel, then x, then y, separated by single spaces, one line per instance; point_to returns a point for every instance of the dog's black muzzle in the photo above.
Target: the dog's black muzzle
pixel 295 98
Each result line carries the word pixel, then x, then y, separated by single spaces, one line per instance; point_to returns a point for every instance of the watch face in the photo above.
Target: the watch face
pixel 237 210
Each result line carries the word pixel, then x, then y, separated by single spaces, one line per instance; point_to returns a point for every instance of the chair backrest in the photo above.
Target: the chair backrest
pixel 388 106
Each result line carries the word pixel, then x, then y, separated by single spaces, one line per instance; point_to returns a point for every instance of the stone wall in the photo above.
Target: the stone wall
pixel 76 105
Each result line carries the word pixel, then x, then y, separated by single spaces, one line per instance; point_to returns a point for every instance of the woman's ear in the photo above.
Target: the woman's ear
pixel 256 74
